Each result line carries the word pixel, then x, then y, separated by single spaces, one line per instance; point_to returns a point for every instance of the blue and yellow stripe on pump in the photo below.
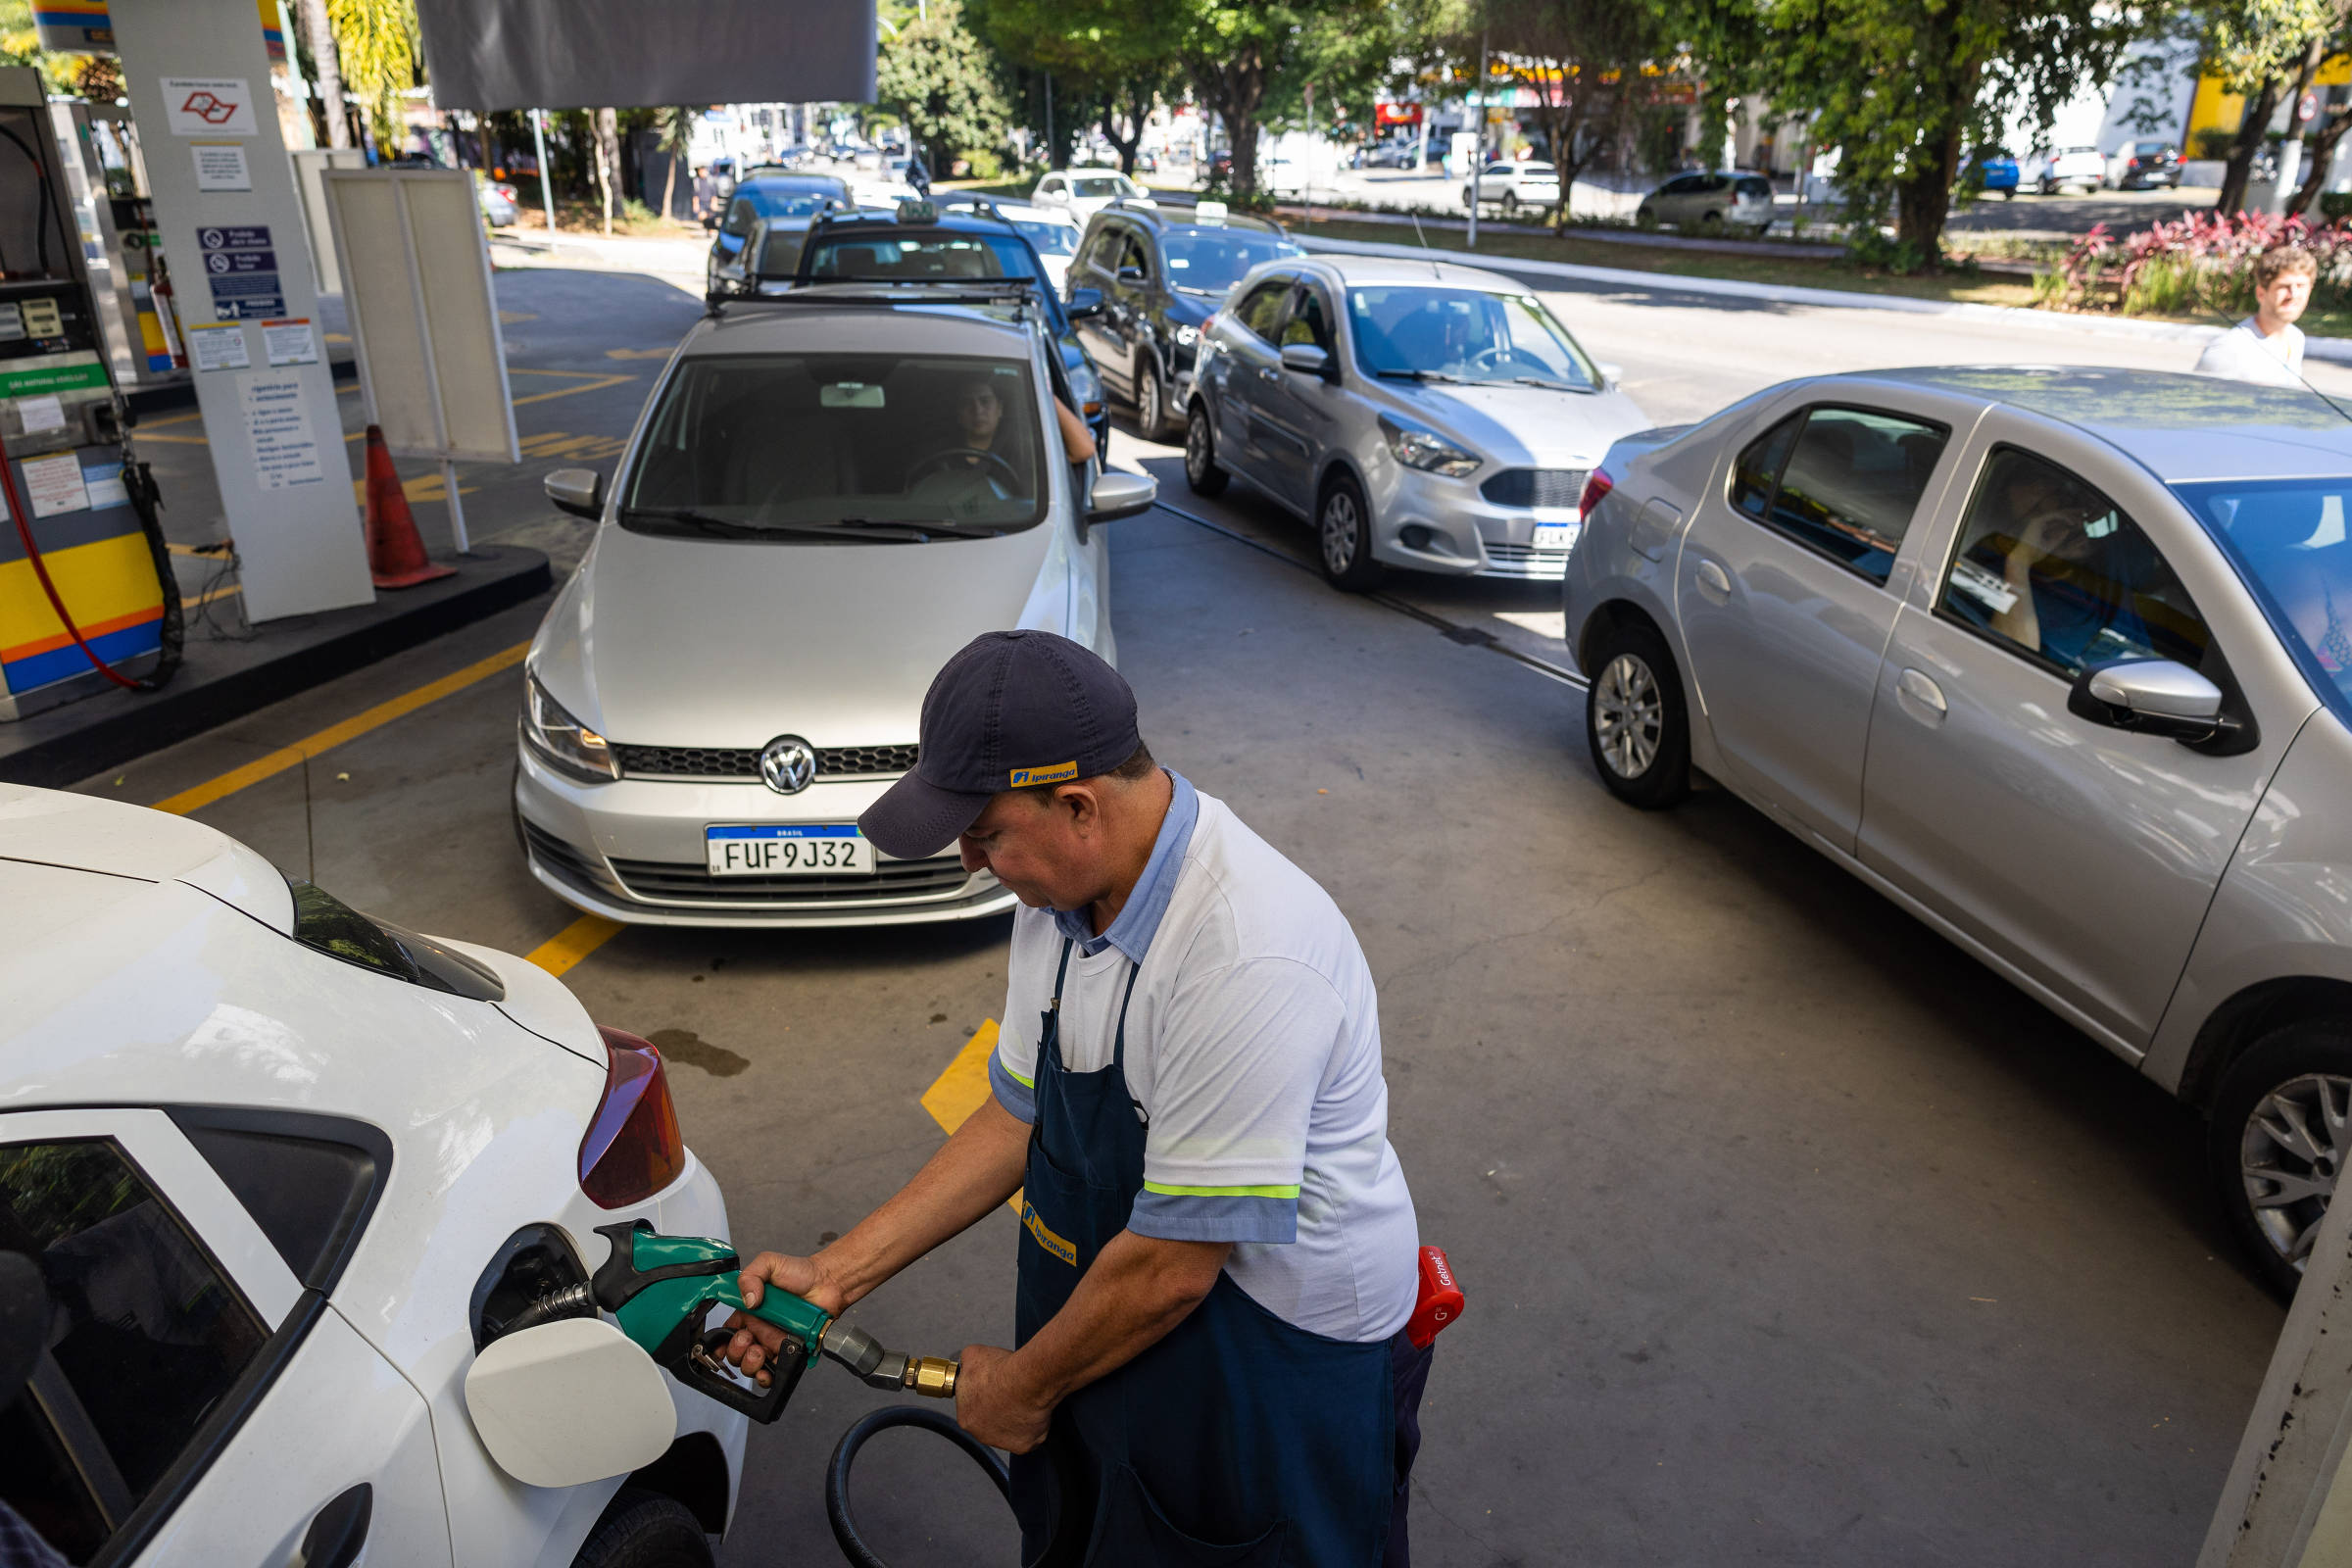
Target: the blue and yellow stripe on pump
pixel 111 588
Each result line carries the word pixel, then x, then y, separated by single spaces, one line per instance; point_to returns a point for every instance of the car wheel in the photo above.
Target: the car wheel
pixel 643 1529
pixel 1646 218
pixel 1712 224
pixel 1151 401
pixel 1201 470
pixel 1510 202
pixel 1633 719
pixel 2281 1132
pixel 1344 537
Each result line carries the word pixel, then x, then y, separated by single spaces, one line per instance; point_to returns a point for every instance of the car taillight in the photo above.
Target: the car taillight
pixel 506 192
pixel 1596 485
pixel 632 1149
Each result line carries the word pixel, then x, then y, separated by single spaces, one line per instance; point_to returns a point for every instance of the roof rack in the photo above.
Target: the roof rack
pixel 1017 292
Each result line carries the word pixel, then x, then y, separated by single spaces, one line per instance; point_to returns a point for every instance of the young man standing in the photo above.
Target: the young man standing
pixel 2267 347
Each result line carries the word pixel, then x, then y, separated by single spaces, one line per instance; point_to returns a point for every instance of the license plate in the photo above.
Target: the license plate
pixel 770 849
pixel 1557 535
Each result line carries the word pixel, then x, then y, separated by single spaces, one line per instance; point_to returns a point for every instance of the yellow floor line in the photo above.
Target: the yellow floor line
pixel 567 947
pixel 963 1088
pixel 382 713
pixel 597 385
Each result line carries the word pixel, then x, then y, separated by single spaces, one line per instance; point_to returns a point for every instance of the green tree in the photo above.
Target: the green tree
pixel 1903 87
pixel 2267 51
pixel 1110 60
pixel 677 135
pixel 376 43
pixel 936 74
pixel 1250 64
pixel 1581 63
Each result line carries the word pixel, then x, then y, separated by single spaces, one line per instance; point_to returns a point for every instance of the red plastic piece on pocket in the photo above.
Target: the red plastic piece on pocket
pixel 1440 1302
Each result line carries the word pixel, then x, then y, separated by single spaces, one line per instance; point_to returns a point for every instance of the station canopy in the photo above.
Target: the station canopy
pixel 487 54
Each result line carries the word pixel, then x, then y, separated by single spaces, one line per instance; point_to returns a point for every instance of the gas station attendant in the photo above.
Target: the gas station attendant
pixel 1217 1248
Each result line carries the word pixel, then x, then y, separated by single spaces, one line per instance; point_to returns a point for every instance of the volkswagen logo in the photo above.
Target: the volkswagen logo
pixel 788 764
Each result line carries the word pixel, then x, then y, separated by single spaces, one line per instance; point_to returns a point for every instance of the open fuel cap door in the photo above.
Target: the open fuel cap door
pixel 570 1402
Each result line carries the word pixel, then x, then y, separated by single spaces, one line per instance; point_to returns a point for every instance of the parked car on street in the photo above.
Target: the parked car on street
pixel 832 490
pixel 1143 285
pixel 1993 172
pixel 1050 231
pixel 2143 165
pixel 1512 184
pixel 2050 173
pixel 800 196
pixel 283 1168
pixel 1721 200
pixel 1397 154
pixel 1419 415
pixel 2052 658
pixel 1084 192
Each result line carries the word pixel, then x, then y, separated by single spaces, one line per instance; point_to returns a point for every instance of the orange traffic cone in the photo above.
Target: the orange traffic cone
pixel 395 555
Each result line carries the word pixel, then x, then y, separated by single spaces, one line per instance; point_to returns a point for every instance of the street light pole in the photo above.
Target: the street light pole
pixel 547 202
pixel 1479 157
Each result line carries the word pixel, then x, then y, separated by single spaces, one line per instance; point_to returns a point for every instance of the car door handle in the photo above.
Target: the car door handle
pixel 1714 581
pixel 1920 697
pixel 337 1531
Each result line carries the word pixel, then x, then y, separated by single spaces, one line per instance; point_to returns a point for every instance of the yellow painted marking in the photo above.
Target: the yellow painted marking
pixel 425 487
pixel 511 317
pixel 175 440
pixel 963 1087
pixel 352 728
pixel 597 385
pixel 220 593
pixel 639 354
pixel 338 338
pixel 572 375
pixel 559 444
pixel 567 947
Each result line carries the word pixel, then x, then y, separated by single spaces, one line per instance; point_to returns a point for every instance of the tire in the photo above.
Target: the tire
pixel 1344 537
pixel 1644 217
pixel 1634 722
pixel 643 1529
pixel 1201 472
pixel 1712 224
pixel 1151 401
pixel 1510 202
pixel 2297 1080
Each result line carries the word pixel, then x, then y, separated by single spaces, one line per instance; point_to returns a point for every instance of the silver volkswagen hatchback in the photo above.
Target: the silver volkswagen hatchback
pixel 2058 661
pixel 1422 415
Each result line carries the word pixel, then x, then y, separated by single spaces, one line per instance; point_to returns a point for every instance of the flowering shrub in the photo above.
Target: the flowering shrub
pixel 2199 262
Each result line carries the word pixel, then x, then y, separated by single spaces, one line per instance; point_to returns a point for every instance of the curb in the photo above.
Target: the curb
pixel 2333 350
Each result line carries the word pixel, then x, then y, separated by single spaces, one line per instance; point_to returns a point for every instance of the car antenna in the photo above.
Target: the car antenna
pixel 1424 239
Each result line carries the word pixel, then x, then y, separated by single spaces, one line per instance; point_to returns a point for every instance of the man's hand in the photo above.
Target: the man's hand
pixel 992 1405
pixel 757 1340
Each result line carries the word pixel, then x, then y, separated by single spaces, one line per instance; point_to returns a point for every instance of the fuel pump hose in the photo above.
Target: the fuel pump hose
pixel 844 1455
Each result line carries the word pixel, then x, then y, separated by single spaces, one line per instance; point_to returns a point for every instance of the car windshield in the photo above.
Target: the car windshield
pixel 881 255
pixel 1210 261
pixel 1051 240
pixel 788 200
pixel 1102 185
pixel 2288 539
pixel 1466 335
pixel 843 448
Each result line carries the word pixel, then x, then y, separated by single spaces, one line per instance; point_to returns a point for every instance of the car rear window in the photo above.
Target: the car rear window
pixel 1210 261
pixel 1752 185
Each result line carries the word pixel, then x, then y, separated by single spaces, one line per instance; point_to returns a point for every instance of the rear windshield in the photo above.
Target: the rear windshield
pixel 1210 261
pixel 1752 185
pixel 1048 239
pixel 2152 149
pixel 1091 185
pixel 840 449
pixel 790 201
pixel 2289 541
pixel 881 253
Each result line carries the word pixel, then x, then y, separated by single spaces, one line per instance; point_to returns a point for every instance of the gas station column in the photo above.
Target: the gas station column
pixel 198 76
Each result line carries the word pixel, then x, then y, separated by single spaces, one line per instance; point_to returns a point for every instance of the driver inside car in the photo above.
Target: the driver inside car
pixel 968 470
pixel 2051 582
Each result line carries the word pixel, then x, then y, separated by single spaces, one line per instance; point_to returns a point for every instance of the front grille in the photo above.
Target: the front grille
pixel 713 762
pixel 684 882
pixel 1535 487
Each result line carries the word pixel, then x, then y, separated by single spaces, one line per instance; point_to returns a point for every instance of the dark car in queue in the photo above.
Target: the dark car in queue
pixel 768 196
pixel 920 243
pixel 1157 278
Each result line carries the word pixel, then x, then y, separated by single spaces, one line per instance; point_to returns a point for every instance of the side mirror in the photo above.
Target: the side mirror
pixel 1610 375
pixel 570 1402
pixel 578 491
pixel 1306 359
pixel 1085 302
pixel 2152 697
pixel 1120 495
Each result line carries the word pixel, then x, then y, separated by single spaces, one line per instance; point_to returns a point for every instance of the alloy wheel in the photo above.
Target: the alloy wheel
pixel 1342 531
pixel 1196 456
pixel 1147 413
pixel 2292 1149
pixel 1629 715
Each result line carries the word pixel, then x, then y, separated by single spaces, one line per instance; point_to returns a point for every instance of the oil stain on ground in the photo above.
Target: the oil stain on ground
pixel 685 1045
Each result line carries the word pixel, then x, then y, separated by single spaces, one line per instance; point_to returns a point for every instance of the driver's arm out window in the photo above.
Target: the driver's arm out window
pixel 2050 568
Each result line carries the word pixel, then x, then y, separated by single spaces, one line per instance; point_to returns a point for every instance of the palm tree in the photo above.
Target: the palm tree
pixel 677 138
pixel 377 40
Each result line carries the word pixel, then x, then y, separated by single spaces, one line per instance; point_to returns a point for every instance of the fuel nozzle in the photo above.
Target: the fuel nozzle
pixel 932 1376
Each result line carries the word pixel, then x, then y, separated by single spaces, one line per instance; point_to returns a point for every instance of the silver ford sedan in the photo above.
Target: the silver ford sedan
pixel 829 493
pixel 1420 414
pixel 2056 660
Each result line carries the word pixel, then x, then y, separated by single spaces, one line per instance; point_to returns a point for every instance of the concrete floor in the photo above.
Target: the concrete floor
pixel 1791 1234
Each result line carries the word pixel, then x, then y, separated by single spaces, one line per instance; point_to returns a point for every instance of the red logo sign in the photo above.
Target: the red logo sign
pixel 210 110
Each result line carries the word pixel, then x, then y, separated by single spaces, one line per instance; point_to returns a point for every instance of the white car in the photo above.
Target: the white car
pixel 283 1170
pixel 2050 173
pixel 1052 232
pixel 1084 192
pixel 1512 184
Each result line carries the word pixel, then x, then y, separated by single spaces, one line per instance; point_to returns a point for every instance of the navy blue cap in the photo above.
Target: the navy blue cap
pixel 1012 710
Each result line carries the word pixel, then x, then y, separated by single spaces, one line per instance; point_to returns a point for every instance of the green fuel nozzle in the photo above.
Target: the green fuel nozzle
pixel 662 1288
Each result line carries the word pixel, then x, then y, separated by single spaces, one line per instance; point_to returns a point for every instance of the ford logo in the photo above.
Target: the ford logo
pixel 788 765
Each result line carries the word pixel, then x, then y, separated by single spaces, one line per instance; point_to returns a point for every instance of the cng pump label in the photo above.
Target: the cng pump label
pixel 242 268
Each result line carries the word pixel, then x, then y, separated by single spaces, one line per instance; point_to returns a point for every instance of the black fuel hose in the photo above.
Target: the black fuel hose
pixel 845 1455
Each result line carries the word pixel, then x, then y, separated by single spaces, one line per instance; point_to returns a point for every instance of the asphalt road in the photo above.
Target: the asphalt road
pixel 1791 1234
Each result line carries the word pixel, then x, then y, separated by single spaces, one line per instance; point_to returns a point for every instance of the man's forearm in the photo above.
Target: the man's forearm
pixel 1138 1290
pixel 978 1169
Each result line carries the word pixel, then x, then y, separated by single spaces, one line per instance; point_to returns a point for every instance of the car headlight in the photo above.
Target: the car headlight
pixel 1428 451
pixel 1085 386
pixel 569 747
pixel 1187 337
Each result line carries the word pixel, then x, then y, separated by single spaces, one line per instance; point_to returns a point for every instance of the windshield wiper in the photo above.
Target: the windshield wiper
pixel 1549 383
pixel 1420 376
pixel 921 530
pixel 709 527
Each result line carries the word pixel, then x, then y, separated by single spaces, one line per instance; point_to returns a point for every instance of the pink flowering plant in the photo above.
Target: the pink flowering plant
pixel 2197 263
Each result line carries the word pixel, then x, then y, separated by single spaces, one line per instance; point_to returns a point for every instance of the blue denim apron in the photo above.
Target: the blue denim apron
pixel 1239 1439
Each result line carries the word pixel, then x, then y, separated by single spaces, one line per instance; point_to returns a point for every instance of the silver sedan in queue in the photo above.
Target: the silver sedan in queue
pixel 2058 661
pixel 1419 414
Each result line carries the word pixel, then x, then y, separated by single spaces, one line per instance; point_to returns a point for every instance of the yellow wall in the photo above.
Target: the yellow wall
pixel 2221 110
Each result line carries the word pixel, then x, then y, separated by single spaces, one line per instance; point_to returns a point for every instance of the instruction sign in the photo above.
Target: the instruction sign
pixel 209 106
pixel 220 166
pixel 53 485
pixel 285 448
pixel 290 342
pixel 103 481
pixel 242 269
pixel 216 348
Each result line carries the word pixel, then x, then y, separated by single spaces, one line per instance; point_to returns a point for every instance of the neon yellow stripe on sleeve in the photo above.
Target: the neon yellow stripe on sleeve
pixel 1166 1190
pixel 1025 1082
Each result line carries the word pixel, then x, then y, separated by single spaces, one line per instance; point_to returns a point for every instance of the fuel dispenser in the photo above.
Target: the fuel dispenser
pixel 86 594
pixel 122 258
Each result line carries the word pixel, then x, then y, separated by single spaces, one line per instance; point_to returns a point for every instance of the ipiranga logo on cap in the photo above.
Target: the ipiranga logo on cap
pixel 1052 773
